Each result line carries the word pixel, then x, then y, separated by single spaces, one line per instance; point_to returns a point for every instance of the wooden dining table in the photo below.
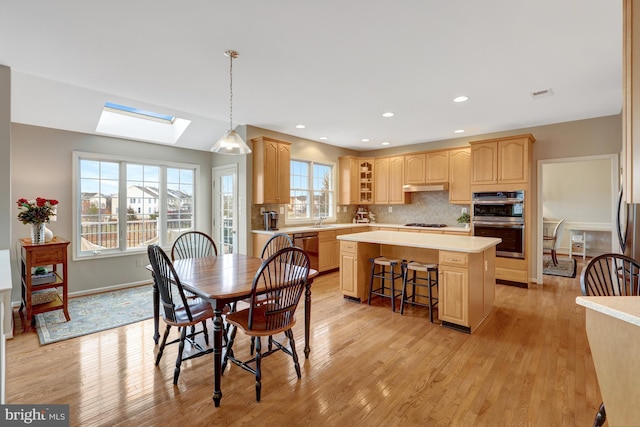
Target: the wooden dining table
pixel 222 280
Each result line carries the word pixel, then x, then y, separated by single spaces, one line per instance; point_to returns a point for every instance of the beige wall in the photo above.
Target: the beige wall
pixel 41 160
pixel 6 207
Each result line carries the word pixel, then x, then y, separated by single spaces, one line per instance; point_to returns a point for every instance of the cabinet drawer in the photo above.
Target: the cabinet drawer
pixel 454 258
pixel 52 256
pixel 348 246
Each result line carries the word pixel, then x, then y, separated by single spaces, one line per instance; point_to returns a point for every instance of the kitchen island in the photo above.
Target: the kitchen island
pixel 466 289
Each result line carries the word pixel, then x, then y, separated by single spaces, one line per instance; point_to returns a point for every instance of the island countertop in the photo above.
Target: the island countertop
pixel 443 242
pixel 622 308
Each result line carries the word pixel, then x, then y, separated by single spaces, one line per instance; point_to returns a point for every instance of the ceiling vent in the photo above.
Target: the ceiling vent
pixel 541 93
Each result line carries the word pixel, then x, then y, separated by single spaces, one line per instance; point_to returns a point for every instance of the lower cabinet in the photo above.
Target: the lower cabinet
pixel 454 294
pixel 328 251
pixel 354 268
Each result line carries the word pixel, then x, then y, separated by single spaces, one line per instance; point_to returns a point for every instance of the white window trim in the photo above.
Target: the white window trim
pixel 330 220
pixel 77 255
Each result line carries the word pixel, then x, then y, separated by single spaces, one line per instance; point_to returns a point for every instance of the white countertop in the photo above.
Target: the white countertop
pixel 446 242
pixel 336 226
pixel 624 308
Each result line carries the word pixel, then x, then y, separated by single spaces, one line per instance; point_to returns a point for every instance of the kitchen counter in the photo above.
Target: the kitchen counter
pixel 441 242
pixel 339 226
pixel 613 330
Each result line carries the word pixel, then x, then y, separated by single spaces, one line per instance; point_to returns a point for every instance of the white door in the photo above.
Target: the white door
pixel 225 208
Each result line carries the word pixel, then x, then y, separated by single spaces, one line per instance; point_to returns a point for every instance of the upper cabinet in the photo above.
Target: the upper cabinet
pixel 426 168
pixel 631 88
pixel 388 180
pixel 356 180
pixel 501 160
pixel 271 161
pixel 460 176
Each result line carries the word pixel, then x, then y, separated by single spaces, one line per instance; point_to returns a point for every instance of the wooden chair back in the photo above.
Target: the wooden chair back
pixel 611 275
pixel 172 295
pixel 275 243
pixel 193 244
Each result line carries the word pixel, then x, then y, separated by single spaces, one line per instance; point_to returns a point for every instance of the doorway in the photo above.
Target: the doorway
pixel 225 208
pixel 582 190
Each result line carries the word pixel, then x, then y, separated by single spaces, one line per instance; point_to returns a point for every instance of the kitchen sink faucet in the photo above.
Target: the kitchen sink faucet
pixel 319 222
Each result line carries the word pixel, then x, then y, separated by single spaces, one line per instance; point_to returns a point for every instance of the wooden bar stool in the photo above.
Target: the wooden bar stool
pixel 385 275
pixel 413 273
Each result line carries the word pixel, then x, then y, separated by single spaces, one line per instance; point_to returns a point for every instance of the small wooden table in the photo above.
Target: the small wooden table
pixel 222 280
pixel 43 254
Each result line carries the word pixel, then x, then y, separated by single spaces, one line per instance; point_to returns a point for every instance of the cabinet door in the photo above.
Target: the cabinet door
pixel 437 167
pixel 270 175
pixel 381 181
pixel 414 169
pixel 366 180
pixel 513 161
pixel 396 176
pixel 484 163
pixel 454 295
pixel 631 88
pixel 460 176
pixel 348 274
pixel 282 171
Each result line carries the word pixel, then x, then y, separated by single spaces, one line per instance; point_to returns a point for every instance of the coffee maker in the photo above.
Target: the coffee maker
pixel 271 220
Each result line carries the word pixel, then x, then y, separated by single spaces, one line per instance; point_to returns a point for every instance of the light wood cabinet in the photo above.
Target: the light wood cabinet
pixel 366 180
pixel 354 268
pixel 437 167
pixel 415 168
pixel 328 251
pixel 271 160
pixel 631 99
pixel 501 161
pixel 460 176
pixel 356 180
pixel 388 180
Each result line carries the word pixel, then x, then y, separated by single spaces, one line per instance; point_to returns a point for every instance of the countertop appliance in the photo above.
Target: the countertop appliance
pixel 270 220
pixel 501 214
pixel 309 243
pixel 422 224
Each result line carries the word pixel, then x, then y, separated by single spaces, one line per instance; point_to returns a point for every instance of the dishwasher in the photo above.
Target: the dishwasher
pixel 308 242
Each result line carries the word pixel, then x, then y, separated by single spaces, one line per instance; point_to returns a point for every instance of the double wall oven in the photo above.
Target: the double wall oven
pixel 501 214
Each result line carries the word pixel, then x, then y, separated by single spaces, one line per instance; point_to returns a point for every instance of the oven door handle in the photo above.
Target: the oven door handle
pixel 499 224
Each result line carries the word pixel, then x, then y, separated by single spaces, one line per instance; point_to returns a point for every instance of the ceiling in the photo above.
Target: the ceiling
pixel 335 66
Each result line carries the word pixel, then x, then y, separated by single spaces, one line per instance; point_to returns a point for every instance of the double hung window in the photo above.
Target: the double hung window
pixel 312 191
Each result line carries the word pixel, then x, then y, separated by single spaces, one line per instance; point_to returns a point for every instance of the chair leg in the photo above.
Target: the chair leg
pixel 258 370
pixel 554 257
pixel 429 284
pixel 253 345
pixel 404 290
pixel 393 288
pixel 601 416
pixel 205 331
pixel 373 271
pixel 229 352
pixel 162 344
pixel 176 372
pixel 294 354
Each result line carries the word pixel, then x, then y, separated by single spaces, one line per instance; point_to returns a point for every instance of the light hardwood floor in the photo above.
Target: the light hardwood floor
pixel 528 365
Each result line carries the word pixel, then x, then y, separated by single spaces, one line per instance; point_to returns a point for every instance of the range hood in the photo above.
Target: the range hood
pixel 426 187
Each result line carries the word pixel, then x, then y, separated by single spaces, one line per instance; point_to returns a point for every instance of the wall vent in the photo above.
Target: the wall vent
pixel 541 93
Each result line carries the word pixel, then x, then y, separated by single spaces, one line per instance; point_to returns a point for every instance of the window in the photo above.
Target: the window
pixel 125 205
pixel 312 193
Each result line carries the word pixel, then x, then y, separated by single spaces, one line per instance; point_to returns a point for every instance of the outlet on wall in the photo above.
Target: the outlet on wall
pixel 281 210
pixel 465 210
pixel 390 209
pixel 261 211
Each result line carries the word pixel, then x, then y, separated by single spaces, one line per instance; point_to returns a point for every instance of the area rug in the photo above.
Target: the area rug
pixel 95 313
pixel 566 267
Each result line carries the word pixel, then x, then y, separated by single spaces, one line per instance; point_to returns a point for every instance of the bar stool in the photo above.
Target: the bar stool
pixel 419 279
pixel 385 275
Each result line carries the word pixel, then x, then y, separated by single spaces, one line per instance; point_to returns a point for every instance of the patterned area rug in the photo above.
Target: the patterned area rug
pixel 566 267
pixel 95 313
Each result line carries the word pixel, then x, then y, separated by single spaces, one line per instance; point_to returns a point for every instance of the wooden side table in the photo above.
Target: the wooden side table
pixel 53 253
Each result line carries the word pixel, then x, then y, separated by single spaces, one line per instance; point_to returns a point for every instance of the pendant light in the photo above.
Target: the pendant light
pixel 231 142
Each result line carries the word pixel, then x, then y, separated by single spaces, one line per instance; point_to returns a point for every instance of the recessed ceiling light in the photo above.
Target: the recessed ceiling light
pixel 300 126
pixel 462 98
pixel 365 140
pixel 388 114
pixel 458 131
pixel 386 143
pixel 324 138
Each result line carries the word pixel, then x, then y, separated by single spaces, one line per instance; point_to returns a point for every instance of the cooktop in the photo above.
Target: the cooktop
pixel 422 224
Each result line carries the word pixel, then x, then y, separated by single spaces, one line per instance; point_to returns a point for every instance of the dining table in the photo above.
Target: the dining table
pixel 222 280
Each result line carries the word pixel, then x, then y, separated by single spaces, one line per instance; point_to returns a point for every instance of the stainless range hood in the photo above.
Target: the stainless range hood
pixel 426 187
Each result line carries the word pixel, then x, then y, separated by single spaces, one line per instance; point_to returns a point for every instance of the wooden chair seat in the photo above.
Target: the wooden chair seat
pixel 259 327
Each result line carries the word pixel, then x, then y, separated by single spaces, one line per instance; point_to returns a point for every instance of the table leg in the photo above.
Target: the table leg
pixel 156 311
pixel 217 354
pixel 307 318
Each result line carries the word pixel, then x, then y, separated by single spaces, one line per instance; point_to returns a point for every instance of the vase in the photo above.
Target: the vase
pixel 48 234
pixel 37 233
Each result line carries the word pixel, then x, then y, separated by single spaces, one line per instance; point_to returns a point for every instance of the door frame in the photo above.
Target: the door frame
pixel 215 197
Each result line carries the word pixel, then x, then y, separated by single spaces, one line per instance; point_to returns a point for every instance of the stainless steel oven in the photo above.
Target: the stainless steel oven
pixel 501 214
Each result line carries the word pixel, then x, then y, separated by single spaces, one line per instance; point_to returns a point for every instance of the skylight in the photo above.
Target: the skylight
pixel 135 123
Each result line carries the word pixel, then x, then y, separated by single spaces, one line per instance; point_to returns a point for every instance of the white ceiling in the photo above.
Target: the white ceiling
pixel 333 65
